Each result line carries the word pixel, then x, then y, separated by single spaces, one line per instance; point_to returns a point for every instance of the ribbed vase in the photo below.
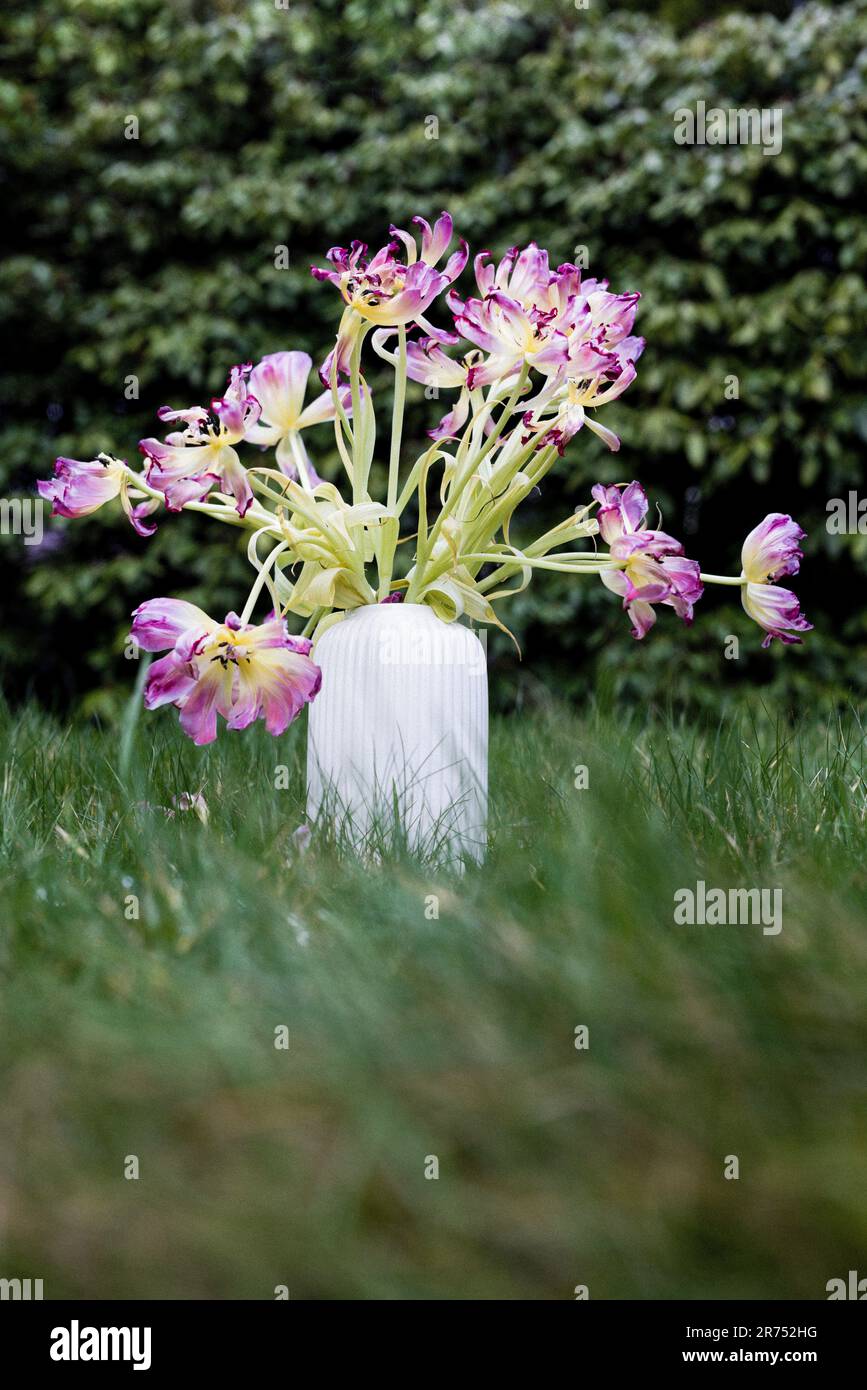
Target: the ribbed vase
pixel 398 734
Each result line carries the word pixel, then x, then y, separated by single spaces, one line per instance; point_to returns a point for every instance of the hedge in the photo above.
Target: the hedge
pixel 261 126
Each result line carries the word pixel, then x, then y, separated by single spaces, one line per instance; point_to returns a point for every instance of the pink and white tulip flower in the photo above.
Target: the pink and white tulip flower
pixel 593 378
pixel 653 568
pixel 576 335
pixel 621 509
pixel 527 312
pixel 202 456
pixel 770 552
pixel 243 672
pixel 279 384
pixel 78 489
pixel 387 292
pixel 523 313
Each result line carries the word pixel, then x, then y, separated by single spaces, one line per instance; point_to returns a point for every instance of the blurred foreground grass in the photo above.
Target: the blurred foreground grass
pixel 411 1037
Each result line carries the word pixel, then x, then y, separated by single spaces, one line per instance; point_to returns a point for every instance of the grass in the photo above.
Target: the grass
pixel 411 1035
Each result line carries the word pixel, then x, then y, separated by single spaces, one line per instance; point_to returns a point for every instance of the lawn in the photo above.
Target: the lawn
pixel 150 963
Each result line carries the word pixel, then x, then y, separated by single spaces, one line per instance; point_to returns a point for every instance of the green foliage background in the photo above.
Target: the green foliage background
pixel 261 126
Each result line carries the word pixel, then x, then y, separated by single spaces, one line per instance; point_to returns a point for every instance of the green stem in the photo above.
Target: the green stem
pixel 505 415
pixel 582 565
pixel 397 418
pixel 312 621
pixel 254 518
pixel 302 462
pixel 723 579
pixel 461 479
pixel 358 488
pixel 260 580
pixel 341 425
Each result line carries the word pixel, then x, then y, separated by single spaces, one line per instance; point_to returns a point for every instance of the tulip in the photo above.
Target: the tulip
pixel 279 384
pixel 192 461
pixel 621 510
pixel 384 290
pixel 769 553
pixel 240 671
pixel 777 610
pixel 78 489
pixel 526 312
pixel 653 568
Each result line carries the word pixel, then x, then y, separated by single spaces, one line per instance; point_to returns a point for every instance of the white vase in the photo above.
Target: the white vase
pixel 398 735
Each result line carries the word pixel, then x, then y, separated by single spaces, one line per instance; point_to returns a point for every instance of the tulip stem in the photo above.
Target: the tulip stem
pixel 254 517
pixel 359 483
pixel 302 461
pixel 397 418
pixel 341 425
pixel 505 414
pixel 724 579
pixel 262 578
pixel 581 565
pixel 463 476
pixel 313 621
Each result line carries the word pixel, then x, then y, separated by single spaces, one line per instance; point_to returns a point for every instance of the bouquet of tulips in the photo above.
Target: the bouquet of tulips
pixel 531 358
